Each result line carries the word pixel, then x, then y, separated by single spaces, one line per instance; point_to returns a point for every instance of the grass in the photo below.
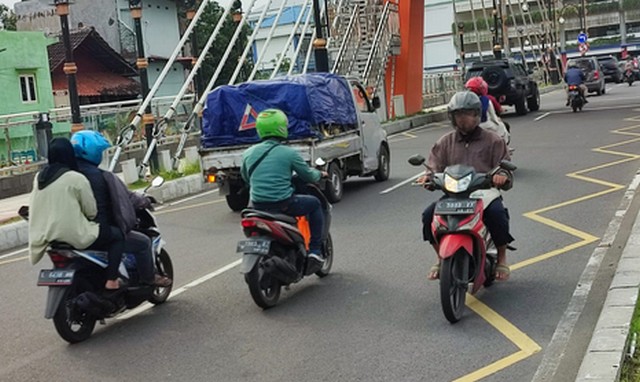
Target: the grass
pixel 631 366
pixel 14 219
pixel 186 169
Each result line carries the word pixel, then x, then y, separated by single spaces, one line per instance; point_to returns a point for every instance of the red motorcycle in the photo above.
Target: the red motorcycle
pixel 465 248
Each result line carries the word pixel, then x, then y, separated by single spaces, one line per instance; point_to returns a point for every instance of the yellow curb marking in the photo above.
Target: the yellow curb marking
pixel 527 346
pixel 13 260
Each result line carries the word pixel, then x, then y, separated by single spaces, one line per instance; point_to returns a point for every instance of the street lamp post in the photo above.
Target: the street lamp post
pixel 461 34
pixel 497 49
pixel 135 7
pixel 563 50
pixel 320 43
pixel 70 68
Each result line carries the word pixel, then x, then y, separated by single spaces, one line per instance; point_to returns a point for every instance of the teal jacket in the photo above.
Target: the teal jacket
pixel 271 180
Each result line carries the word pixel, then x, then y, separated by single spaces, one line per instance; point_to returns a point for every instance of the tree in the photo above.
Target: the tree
pixel 7 18
pixel 204 29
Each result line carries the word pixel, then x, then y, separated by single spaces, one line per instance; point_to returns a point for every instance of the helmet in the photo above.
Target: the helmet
pixel 272 123
pixel 89 145
pixel 572 64
pixel 477 85
pixel 464 101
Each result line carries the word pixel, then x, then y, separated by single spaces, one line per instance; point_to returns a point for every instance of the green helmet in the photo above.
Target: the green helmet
pixel 272 123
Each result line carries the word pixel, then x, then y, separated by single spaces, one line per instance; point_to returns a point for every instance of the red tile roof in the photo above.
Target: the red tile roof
pixel 95 84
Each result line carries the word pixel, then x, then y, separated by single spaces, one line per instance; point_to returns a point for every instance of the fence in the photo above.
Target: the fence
pixel 437 89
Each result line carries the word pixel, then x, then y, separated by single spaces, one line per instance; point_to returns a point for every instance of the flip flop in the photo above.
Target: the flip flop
pixel 434 272
pixel 502 269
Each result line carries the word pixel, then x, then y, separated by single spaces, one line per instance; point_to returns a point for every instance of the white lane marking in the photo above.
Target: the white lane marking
pixel 542 116
pixel 187 199
pixel 146 306
pixel 401 183
pixel 13 253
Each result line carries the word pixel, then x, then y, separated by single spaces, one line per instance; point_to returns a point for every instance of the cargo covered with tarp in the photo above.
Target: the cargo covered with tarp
pixel 314 103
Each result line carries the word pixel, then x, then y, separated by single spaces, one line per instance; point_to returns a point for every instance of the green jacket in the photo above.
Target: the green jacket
pixel 271 180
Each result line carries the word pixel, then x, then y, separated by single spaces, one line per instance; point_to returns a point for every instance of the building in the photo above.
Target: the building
pixel 113 22
pixel 439 49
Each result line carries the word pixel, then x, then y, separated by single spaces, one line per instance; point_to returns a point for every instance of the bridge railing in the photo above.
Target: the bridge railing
pixel 438 88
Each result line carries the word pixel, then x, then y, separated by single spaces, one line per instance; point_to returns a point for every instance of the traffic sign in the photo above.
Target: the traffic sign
pixel 582 38
pixel 583 48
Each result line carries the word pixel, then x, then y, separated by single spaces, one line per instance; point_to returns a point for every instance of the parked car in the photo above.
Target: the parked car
pixel 593 73
pixel 510 82
pixel 610 68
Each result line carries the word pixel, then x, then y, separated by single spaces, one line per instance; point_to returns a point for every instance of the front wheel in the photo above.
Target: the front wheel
pixel 264 289
pixel 454 274
pixel 164 268
pixel 73 326
pixel 328 258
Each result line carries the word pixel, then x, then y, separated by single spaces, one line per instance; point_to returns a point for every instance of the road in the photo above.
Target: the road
pixel 376 318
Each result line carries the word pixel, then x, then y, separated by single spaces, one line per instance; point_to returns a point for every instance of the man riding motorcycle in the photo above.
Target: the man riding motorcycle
pixel 471 145
pixel 575 76
pixel 268 166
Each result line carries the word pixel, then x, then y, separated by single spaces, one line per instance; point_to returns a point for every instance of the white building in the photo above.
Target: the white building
pixel 439 49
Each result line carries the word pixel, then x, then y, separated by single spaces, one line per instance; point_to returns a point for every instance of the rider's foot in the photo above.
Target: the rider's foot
pixel 585 101
pixel 502 272
pixel 161 281
pixel 112 285
pixel 314 257
pixel 434 272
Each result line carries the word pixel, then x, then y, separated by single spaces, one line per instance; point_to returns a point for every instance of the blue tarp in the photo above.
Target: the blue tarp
pixel 309 100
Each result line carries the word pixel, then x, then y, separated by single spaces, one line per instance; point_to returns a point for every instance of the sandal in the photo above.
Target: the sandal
pixel 434 272
pixel 161 281
pixel 502 272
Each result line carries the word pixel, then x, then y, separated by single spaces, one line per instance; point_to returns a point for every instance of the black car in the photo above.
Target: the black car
pixel 610 68
pixel 509 82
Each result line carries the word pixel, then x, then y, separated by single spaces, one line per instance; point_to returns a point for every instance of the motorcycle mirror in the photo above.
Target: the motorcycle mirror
pixel 416 160
pixel 505 164
pixel 157 181
pixel 320 162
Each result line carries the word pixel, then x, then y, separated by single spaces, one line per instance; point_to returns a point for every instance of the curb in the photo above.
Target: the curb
pixel 605 353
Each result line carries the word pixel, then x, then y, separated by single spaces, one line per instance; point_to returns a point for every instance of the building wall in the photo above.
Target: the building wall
pixel 439 49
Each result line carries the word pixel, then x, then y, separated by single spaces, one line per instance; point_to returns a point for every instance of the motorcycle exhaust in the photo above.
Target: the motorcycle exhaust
pixel 281 270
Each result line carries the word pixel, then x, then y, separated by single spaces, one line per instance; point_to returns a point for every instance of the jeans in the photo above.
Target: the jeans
pixel 139 245
pixel 302 205
pixel 110 239
pixel 495 218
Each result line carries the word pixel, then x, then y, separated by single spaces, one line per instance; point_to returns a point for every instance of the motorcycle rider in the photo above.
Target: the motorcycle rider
pixel 471 145
pixel 575 76
pixel 267 168
pixel 62 208
pixel 489 118
pixel 89 146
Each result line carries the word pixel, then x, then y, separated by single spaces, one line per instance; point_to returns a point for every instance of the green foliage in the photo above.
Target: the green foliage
pixel 630 5
pixel 204 28
pixel 7 18
pixel 598 8
pixel 631 366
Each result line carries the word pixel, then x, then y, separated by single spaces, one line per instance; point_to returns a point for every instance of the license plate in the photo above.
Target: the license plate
pixel 50 277
pixel 456 207
pixel 257 246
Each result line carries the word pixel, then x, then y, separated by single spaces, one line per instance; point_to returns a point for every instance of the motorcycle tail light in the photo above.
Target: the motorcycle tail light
pixel 250 223
pixel 59 261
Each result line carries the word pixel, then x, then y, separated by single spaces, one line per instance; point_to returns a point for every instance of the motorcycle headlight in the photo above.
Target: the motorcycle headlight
pixel 456 185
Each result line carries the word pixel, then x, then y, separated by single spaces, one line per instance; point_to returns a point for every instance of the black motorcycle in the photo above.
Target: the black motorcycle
pixel 77 298
pixel 275 251
pixel 576 101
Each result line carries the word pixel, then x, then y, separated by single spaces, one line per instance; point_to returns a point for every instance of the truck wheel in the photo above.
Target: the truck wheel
pixel 238 199
pixel 383 164
pixel 333 190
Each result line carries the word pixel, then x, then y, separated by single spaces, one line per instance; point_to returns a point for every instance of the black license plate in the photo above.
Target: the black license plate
pixel 54 277
pixel 257 246
pixel 456 207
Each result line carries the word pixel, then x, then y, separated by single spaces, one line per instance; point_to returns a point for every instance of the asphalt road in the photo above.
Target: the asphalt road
pixel 376 318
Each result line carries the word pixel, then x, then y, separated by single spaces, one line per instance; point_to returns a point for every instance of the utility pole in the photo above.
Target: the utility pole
pixel 497 49
pixel 461 34
pixel 320 43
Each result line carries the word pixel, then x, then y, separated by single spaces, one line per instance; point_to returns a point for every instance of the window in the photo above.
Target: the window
pixel 28 88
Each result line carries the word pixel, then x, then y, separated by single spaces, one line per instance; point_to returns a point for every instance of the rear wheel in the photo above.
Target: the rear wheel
pixel 328 258
pixel 238 198
pixel 73 326
pixel 454 275
pixel 534 102
pixel 521 107
pixel 334 189
pixel 383 164
pixel 165 268
pixel 264 289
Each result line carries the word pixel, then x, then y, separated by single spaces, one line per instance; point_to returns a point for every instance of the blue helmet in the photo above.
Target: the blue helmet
pixel 89 145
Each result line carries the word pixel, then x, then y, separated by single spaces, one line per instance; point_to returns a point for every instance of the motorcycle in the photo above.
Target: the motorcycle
pixel 575 99
pixel 629 76
pixel 76 298
pixel 465 249
pixel 275 251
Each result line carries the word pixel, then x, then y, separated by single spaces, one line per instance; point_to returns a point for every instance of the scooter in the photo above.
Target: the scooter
pixel 629 76
pixel 465 248
pixel 275 251
pixel 575 99
pixel 76 297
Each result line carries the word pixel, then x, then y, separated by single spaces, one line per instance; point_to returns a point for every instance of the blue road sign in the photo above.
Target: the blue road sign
pixel 582 38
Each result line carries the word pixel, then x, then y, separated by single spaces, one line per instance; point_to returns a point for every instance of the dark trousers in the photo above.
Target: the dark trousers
pixel 139 245
pixel 110 239
pixel 301 205
pixel 495 218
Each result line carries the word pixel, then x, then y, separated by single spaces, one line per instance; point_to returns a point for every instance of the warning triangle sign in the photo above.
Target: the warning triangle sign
pixel 249 115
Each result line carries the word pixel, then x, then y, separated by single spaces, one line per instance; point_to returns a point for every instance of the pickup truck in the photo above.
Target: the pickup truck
pixel 330 117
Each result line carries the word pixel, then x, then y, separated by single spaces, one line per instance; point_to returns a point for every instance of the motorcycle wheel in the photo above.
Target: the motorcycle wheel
pixel 328 258
pixel 72 329
pixel 165 268
pixel 263 297
pixel 575 108
pixel 452 291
